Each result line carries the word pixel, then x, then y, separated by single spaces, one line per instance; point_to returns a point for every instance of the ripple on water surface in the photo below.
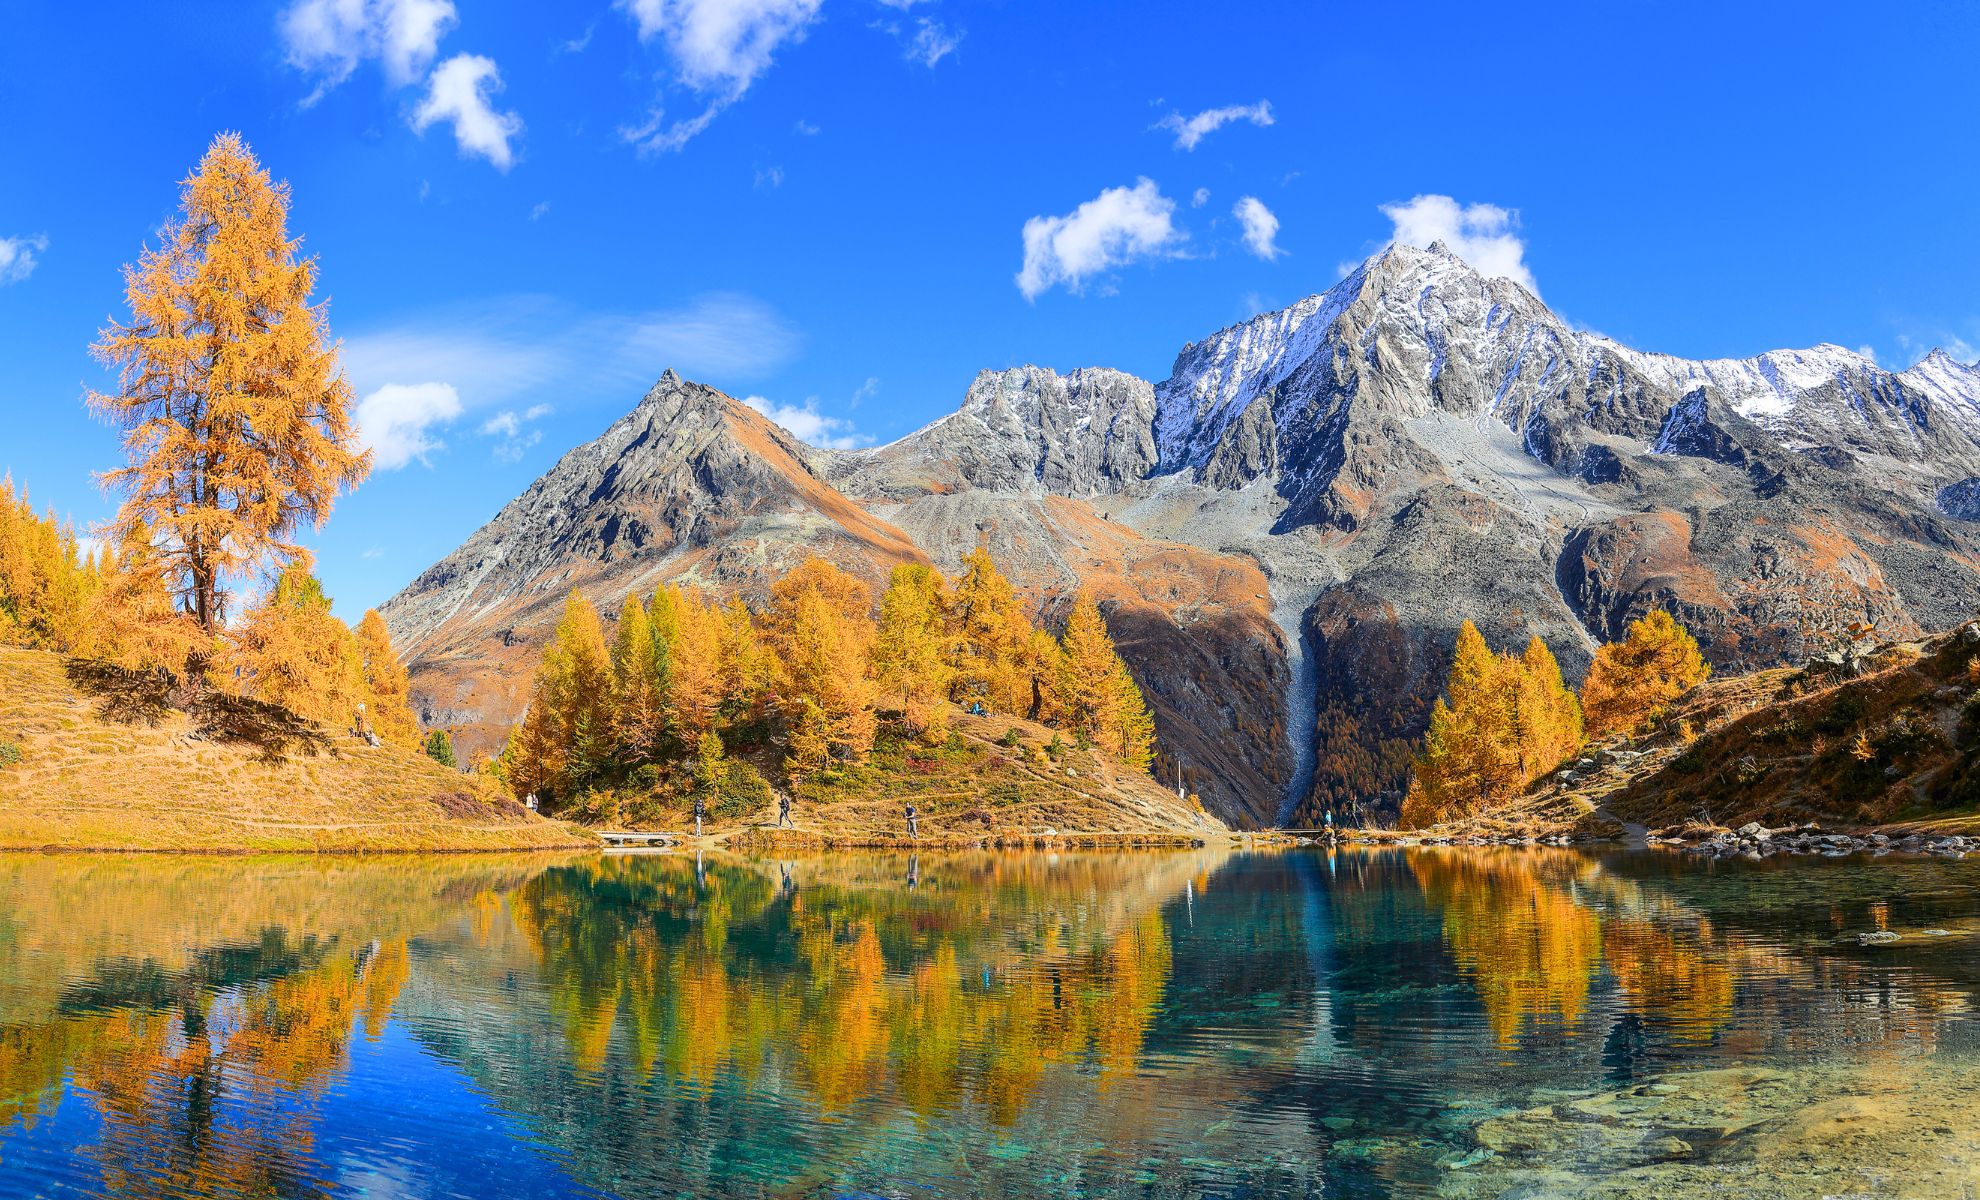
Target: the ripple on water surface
pixel 1432 1022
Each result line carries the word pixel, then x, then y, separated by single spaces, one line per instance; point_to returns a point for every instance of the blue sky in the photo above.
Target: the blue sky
pixel 525 213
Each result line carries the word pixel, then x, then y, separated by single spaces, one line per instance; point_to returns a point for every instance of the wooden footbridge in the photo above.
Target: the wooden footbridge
pixel 636 839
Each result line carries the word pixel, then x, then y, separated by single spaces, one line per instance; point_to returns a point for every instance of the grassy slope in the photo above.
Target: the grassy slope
pixel 85 783
pixel 1897 746
pixel 976 790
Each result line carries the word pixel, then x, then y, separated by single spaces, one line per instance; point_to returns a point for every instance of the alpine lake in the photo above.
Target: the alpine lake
pixel 1407 1022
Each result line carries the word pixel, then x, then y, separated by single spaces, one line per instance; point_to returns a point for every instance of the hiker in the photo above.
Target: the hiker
pixel 914 827
pixel 783 809
pixel 1330 822
pixel 700 811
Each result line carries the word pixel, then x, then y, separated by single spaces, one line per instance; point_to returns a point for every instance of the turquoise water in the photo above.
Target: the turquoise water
pixel 1149 1025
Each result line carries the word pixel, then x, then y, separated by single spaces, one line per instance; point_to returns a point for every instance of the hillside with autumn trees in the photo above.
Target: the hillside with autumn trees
pixel 181 682
pixel 828 713
pixel 1506 720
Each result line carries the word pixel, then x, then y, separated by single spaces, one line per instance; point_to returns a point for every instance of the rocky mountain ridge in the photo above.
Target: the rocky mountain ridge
pixel 1287 530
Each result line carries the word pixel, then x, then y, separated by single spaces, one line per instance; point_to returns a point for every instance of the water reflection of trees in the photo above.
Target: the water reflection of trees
pixel 1534 931
pixel 205 1007
pixel 970 988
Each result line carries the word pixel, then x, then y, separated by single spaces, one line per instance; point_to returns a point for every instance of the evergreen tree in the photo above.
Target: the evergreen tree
pixel 387 687
pixel 440 748
pixel 1630 680
pixel 237 420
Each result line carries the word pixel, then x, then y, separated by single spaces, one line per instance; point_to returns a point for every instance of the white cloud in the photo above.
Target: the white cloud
pixel 932 42
pixel 331 37
pixel 718 47
pixel 1119 226
pixel 502 424
pixel 458 93
pixel 1868 351
pixel 810 426
pixel 540 210
pixel 504 353
pixel 1191 130
pixel 770 177
pixel 1199 198
pixel 398 421
pixel 1261 228
pixel 373 552
pixel 19 256
pixel 805 128
pixel 514 432
pixel 1480 234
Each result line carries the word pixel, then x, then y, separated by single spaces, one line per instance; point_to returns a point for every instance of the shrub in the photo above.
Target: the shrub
pixel 1011 739
pixel 739 791
pixel 9 754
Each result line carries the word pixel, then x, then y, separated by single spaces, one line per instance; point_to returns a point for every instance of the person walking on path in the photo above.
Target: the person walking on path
pixel 700 812
pixel 783 809
pixel 914 826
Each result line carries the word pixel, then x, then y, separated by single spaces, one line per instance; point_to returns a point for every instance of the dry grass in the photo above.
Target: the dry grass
pixel 151 782
pixel 975 790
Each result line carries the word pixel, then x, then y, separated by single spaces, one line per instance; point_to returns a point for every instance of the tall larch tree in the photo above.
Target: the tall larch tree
pixel 1470 754
pixel 911 662
pixel 747 672
pixel 1097 697
pixel 821 635
pixel 639 686
pixel 1548 714
pixel 692 629
pixel 290 649
pixel 565 741
pixel 388 689
pixel 237 419
pixel 989 636
pixel 1630 680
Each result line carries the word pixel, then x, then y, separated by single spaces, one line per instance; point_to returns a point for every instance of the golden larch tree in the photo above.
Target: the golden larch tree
pixel 988 637
pixel 388 689
pixel 290 649
pixel 821 636
pixel 1630 680
pixel 639 686
pixel 693 631
pixel 1097 697
pixel 1548 714
pixel 565 739
pixel 237 420
pixel 911 662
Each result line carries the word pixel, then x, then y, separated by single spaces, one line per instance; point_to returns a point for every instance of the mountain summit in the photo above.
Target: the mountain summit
pixel 1288 530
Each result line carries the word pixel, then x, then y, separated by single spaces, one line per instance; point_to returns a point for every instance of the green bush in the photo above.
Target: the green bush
pixel 9 754
pixel 1011 738
pixel 739 793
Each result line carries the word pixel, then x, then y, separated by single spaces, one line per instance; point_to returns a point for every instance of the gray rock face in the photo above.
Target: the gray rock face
pixel 1301 515
pixel 1029 428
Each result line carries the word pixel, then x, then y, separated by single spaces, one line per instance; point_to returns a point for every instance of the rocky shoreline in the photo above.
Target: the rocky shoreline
pixel 1755 841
